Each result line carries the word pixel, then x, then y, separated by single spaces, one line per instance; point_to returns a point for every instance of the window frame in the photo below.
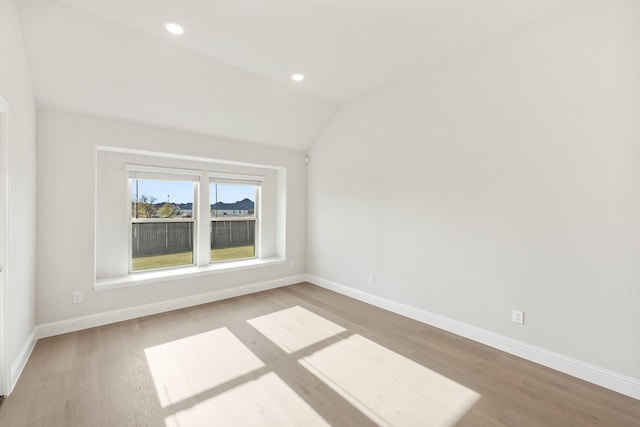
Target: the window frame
pixel 201 198
pixel 238 179
pixel 155 173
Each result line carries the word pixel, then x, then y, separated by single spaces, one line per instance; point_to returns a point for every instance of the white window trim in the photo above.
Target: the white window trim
pixel 277 248
pixel 177 273
pixel 152 220
pixel 232 178
pixel 145 169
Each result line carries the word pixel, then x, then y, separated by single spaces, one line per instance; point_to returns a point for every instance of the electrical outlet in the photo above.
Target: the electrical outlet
pixel 372 278
pixel 517 316
pixel 77 297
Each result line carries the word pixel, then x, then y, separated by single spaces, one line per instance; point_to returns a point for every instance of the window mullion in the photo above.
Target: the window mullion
pixel 204 223
pixel 258 222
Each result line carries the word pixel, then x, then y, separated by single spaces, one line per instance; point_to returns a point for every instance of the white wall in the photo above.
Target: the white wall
pixel 508 177
pixel 15 88
pixel 67 189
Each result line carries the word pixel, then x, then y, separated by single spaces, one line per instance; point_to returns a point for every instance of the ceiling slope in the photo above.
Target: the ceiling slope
pixel 229 74
pixel 344 47
pixel 80 62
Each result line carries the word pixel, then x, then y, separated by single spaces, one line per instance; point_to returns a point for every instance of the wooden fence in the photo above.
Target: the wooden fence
pixel 225 234
pixel 161 238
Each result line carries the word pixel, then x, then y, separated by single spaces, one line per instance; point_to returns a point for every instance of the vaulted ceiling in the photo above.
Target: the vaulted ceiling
pixel 229 74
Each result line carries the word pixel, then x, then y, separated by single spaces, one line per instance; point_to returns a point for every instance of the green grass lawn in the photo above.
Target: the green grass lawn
pixel 185 258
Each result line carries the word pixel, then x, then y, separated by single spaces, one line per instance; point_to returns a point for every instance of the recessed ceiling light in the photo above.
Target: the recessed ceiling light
pixel 174 28
pixel 297 77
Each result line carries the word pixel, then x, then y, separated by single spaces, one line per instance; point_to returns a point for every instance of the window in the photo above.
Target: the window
pixel 162 217
pixel 233 221
pixel 164 225
pixel 234 216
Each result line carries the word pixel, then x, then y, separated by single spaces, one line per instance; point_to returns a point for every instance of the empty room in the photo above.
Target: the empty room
pixel 319 213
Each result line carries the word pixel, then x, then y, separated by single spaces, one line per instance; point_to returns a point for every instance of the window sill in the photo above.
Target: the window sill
pixel 155 276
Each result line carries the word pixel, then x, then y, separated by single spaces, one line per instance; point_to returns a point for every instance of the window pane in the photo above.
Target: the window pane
pixel 156 242
pixel 232 200
pixel 233 221
pixel 161 199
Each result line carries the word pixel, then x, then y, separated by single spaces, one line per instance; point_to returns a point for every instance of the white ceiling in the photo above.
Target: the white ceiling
pixel 229 74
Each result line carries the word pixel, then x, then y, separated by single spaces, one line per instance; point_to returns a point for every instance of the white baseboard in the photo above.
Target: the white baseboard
pixel 615 381
pixel 21 361
pixel 104 318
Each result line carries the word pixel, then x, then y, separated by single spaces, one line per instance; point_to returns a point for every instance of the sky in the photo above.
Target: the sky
pixel 182 191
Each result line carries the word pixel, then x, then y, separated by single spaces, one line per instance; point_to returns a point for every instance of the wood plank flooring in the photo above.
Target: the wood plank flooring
pixel 294 356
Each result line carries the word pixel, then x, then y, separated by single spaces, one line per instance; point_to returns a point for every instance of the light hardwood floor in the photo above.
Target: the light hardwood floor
pixel 299 355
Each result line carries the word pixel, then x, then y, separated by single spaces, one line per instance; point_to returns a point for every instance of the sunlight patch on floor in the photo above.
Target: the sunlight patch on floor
pixel 295 328
pixel 266 401
pixel 213 379
pixel 387 387
pixel 189 366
